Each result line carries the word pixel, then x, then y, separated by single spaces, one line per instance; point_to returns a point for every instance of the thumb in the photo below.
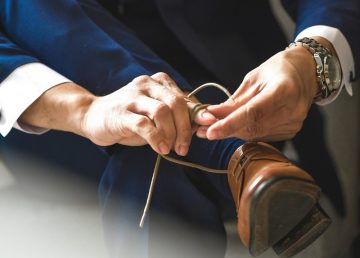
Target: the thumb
pixel 201 116
pixel 204 117
pixel 222 110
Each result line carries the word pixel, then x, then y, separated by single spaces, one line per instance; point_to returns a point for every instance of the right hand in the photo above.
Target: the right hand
pixel 149 110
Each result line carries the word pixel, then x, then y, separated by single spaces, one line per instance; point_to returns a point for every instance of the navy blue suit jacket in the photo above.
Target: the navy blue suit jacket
pixel 225 34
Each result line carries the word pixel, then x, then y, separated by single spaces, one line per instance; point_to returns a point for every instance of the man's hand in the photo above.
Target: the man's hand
pixel 272 101
pixel 149 110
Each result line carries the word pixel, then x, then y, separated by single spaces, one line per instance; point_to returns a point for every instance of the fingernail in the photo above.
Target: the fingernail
pixel 207 115
pixel 201 134
pixel 164 149
pixel 183 150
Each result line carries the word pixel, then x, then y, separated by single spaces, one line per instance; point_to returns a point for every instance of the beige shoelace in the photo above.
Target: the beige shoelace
pixel 193 113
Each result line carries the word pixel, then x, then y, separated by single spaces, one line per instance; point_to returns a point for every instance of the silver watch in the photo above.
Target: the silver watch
pixel 328 69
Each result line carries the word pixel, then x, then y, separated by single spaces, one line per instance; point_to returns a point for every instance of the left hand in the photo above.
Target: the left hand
pixel 272 101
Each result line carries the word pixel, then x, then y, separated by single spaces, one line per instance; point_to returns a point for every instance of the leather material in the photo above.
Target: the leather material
pixel 250 166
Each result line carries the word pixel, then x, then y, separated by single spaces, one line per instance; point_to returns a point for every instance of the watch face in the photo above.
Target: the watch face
pixel 333 73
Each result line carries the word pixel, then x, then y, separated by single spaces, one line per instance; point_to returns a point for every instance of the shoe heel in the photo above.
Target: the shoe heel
pixel 277 207
pixel 306 232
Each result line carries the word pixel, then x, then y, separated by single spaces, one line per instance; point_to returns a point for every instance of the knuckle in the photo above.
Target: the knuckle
pixel 177 102
pixel 160 110
pixel 141 122
pixel 130 105
pixel 249 78
pixel 155 134
pixel 247 81
pixel 154 137
pixel 161 76
pixel 142 79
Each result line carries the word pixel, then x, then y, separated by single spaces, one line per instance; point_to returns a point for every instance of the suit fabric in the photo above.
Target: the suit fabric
pixel 79 39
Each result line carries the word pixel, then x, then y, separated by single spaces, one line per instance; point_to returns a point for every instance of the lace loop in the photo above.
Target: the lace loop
pixel 193 114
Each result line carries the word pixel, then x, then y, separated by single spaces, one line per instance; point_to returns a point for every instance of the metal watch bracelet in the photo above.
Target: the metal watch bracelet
pixel 319 53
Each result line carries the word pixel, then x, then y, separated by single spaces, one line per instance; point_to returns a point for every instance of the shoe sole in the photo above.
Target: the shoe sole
pixel 277 206
pixel 306 232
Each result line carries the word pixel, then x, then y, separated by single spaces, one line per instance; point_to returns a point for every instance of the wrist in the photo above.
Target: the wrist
pixel 328 69
pixel 305 65
pixel 62 107
pixel 79 104
pixel 69 103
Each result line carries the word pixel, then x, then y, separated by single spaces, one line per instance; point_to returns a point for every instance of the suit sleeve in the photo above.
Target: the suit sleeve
pixel 341 14
pixel 83 42
pixel 22 80
pixel 11 57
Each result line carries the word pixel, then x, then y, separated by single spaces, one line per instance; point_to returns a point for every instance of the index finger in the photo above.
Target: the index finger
pixel 175 100
pixel 247 122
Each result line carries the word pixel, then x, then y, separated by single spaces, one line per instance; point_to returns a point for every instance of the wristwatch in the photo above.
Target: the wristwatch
pixel 328 68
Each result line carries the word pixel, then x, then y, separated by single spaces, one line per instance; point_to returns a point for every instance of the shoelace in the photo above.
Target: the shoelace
pixel 198 107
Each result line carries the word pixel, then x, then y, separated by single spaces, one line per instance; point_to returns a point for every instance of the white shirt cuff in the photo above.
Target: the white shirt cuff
pixel 20 89
pixel 343 51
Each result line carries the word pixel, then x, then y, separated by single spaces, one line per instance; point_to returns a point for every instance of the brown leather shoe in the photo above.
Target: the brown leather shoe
pixel 273 198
